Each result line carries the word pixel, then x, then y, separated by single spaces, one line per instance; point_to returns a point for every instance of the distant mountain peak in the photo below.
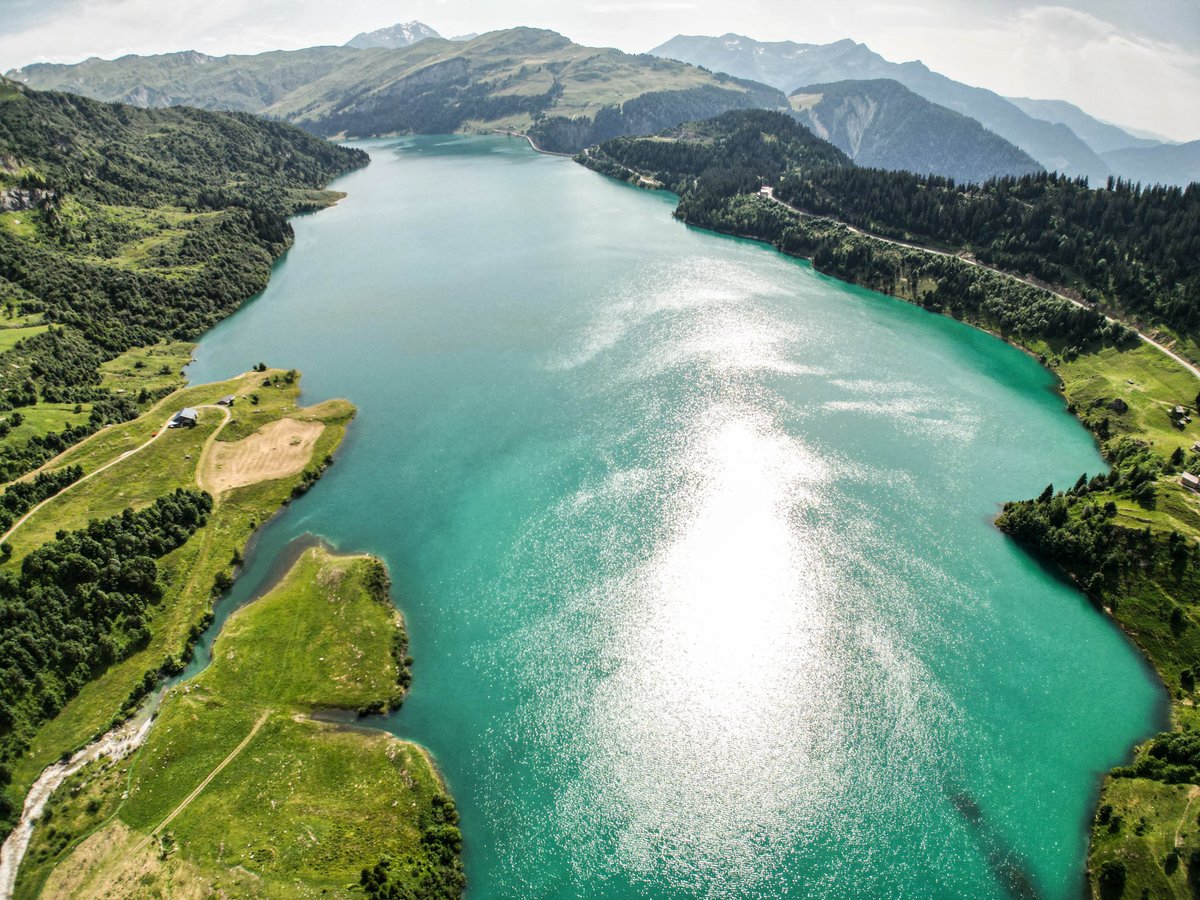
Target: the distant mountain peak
pixel 880 123
pixel 403 34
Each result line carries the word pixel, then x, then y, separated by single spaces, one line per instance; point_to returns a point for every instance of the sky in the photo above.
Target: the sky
pixel 1132 62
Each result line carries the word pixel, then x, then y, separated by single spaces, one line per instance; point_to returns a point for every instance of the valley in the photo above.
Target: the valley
pixel 682 455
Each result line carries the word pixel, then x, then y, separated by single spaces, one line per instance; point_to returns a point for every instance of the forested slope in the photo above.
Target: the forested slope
pixel 121 227
pixel 1132 250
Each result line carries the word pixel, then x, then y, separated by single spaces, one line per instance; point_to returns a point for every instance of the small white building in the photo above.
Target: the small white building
pixel 1190 481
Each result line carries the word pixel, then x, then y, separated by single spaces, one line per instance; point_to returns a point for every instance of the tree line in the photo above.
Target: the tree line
pixel 77 604
pixel 1132 247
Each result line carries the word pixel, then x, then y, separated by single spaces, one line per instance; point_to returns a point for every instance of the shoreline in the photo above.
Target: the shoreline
pixel 532 143
pixel 769 193
pixel 113 745
pixel 1165 706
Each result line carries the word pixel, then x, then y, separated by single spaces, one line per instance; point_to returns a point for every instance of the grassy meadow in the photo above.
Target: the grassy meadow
pixel 300 807
pixel 187 574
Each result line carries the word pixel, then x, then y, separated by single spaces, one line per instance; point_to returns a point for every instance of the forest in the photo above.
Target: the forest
pixel 1076 529
pixel 437 870
pixel 80 603
pixel 128 226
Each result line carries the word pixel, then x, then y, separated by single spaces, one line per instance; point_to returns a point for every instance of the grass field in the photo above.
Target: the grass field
pixel 187 574
pixel 1149 382
pixel 155 368
pixel 43 418
pixel 1151 829
pixel 301 807
pixel 10 336
pixel 143 375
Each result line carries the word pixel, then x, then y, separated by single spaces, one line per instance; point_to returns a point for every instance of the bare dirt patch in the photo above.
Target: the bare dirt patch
pixel 276 450
pixel 109 865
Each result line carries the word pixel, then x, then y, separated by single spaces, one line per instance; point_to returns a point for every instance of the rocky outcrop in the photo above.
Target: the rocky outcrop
pixel 16 199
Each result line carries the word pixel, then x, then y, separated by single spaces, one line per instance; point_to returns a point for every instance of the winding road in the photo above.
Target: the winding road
pixel 769 193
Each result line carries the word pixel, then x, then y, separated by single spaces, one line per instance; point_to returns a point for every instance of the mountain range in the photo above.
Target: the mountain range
pixel 1057 135
pixel 536 82
pixel 565 96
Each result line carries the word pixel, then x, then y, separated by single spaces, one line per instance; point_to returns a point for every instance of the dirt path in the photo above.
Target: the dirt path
pixel 1193 793
pixel 112 462
pixel 233 754
pixel 117 744
pixel 769 193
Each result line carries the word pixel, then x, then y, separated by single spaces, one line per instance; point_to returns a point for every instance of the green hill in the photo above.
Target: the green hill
pixel 533 81
pixel 121 227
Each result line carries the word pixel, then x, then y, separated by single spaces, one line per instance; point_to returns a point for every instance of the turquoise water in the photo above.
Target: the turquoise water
pixel 695 544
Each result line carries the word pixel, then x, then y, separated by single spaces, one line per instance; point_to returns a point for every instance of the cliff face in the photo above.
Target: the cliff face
pixel 16 199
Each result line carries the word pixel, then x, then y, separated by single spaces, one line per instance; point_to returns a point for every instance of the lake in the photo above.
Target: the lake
pixel 695 544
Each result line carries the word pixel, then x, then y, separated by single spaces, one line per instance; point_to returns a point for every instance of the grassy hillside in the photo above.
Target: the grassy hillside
pixel 121 228
pixel 882 124
pixel 522 79
pixel 298 807
pixel 73 688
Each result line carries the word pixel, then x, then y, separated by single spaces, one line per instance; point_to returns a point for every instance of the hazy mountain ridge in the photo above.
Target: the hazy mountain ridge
pixel 881 124
pixel 1177 164
pixel 188 78
pixel 788 65
pixel 1100 136
pixel 404 34
pixel 523 79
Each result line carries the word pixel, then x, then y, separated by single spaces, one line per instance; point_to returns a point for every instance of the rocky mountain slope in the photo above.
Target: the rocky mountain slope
pixel 404 34
pixel 788 65
pixel 882 124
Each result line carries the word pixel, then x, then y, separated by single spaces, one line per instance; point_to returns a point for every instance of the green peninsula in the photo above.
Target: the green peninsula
pixel 248 786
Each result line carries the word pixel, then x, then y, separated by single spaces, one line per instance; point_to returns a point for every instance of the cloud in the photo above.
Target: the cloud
pixel 1134 64
pixel 650 6
pixel 1059 52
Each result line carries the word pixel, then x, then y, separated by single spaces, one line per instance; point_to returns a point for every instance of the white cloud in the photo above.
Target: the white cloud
pixel 639 7
pixel 1058 52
